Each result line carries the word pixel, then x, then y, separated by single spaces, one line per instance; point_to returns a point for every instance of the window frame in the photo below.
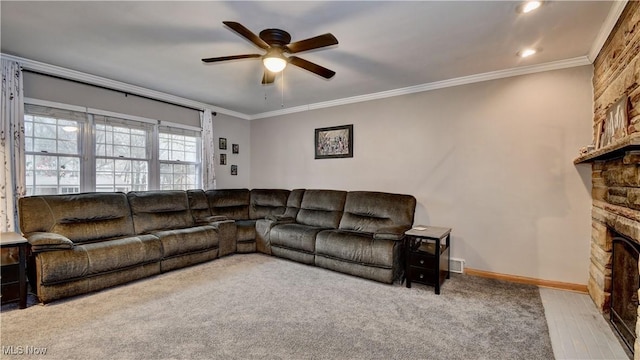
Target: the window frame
pixel 68 113
pixel 172 129
pixel 87 143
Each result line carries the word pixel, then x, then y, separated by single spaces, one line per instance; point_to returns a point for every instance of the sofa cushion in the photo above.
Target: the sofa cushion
pixel 355 247
pixel 294 236
pixel 99 257
pixel 232 203
pixel 62 266
pixel 118 254
pixel 159 210
pixel 246 230
pixel 266 202
pixel 371 212
pixel 78 217
pixel 293 203
pixel 199 206
pixel 184 241
pixel 321 208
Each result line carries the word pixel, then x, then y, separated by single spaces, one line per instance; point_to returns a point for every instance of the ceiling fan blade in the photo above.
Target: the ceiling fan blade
pixel 312 43
pixel 314 68
pixel 232 57
pixel 268 77
pixel 247 34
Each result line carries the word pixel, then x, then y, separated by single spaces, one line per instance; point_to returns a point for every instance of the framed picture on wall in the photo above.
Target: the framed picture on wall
pixel 234 169
pixel 616 122
pixel 334 142
pixel 235 148
pixel 223 159
pixel 222 143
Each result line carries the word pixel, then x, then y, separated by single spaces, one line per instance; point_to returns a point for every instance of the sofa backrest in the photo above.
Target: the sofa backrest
pixel 293 203
pixel 159 210
pixel 369 211
pixel 265 202
pixel 79 217
pixel 232 203
pixel 322 208
pixel 199 206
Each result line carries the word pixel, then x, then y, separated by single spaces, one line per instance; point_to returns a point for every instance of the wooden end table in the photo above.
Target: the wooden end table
pixel 9 240
pixel 427 255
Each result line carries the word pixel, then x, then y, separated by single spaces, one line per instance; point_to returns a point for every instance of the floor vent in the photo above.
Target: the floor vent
pixel 457 265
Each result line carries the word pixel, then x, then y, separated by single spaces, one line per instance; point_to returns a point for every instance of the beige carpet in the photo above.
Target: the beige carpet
pixel 260 307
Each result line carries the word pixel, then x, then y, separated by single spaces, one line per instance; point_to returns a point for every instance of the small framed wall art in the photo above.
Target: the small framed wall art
pixel 223 159
pixel 615 124
pixel 234 169
pixel 334 142
pixel 235 148
pixel 222 143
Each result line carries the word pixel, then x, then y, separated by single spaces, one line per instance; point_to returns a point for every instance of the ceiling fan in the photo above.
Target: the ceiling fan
pixel 277 42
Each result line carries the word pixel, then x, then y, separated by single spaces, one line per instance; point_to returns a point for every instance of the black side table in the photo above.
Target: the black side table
pixel 427 255
pixel 9 240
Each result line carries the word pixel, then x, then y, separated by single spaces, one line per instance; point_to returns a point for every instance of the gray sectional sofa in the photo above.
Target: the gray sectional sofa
pixel 87 242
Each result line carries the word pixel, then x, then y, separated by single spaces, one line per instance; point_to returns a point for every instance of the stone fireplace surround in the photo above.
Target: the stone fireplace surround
pixel 616 167
pixel 616 207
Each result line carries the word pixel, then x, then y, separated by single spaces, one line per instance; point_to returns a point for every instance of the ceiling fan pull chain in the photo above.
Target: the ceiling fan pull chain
pixel 282 96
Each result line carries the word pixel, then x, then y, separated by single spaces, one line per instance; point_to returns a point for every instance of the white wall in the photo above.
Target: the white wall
pixel 492 160
pixel 236 131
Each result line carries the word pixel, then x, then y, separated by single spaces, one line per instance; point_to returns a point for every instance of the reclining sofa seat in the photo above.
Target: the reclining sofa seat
pixel 264 226
pixel 166 215
pixel 87 242
pixel 84 243
pixel 296 240
pixel 368 242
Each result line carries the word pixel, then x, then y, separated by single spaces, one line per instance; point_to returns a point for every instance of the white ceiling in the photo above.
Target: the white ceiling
pixel 383 45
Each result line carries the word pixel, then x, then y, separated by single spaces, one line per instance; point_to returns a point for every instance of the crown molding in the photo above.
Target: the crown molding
pixel 133 89
pixel 606 28
pixel 116 85
pixel 493 75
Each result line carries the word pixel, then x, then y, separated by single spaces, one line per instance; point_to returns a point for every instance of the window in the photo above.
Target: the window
pixel 91 150
pixel 179 159
pixel 52 150
pixel 122 155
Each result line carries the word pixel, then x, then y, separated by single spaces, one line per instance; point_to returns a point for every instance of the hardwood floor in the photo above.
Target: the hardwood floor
pixel 577 329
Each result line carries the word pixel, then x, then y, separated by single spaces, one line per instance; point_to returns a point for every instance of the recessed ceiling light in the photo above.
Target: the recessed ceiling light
pixel 529 6
pixel 526 53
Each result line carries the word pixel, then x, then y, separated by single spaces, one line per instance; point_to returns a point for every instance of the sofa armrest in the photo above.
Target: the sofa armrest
pixel 221 222
pixel 215 218
pixel 45 241
pixel 280 219
pixel 263 231
pixel 391 233
pixel 227 235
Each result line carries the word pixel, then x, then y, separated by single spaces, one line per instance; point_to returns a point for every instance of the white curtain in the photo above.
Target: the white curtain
pixel 208 151
pixel 12 181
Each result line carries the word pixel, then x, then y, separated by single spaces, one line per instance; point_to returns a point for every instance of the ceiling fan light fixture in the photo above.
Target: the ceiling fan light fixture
pixel 526 53
pixel 529 6
pixel 274 62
